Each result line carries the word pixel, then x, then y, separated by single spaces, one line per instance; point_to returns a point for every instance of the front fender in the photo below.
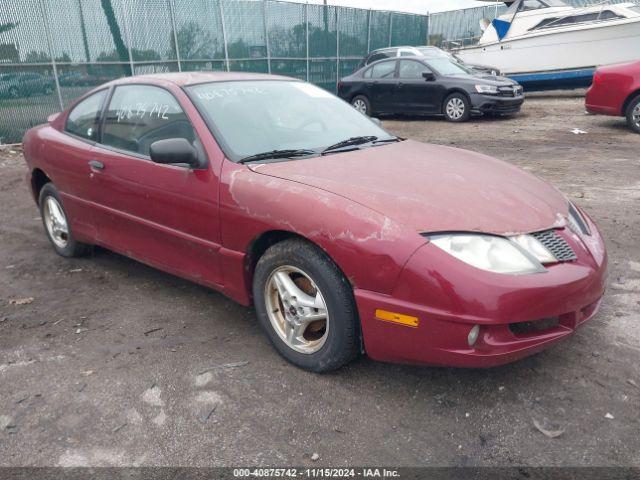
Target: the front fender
pixel 368 247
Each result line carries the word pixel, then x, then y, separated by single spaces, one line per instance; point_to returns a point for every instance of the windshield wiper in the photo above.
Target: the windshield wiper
pixel 389 140
pixel 277 154
pixel 353 141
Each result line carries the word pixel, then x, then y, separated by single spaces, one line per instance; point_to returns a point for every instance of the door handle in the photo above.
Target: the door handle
pixel 96 165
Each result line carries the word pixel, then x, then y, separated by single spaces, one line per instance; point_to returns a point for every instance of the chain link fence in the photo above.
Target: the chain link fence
pixel 52 51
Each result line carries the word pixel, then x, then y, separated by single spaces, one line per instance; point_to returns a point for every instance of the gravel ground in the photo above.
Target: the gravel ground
pixel 114 363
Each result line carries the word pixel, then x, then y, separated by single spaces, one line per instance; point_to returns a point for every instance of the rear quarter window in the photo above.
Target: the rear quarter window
pixel 84 118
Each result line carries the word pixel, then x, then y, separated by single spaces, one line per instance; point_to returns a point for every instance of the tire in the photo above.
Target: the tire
pixel 362 104
pixel 318 349
pixel 56 225
pixel 633 114
pixel 456 108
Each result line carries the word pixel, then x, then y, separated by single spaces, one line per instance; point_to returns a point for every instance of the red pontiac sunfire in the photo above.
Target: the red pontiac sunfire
pixel 344 237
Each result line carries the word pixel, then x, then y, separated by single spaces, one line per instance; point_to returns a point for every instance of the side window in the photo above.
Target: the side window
pixel 383 70
pixel 139 115
pixel 83 119
pixel 410 69
pixel 375 57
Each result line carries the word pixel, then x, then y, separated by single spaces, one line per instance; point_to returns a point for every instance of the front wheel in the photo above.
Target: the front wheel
pixel 57 226
pixel 306 307
pixel 456 108
pixel 633 114
pixel 362 104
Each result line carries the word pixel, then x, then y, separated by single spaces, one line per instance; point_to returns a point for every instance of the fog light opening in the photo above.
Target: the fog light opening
pixel 473 335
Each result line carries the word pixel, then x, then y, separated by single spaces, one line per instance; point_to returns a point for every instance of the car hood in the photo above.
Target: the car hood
pixel 431 188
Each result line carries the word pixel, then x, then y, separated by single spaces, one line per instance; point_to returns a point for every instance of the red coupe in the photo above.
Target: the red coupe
pixel 345 238
pixel 615 91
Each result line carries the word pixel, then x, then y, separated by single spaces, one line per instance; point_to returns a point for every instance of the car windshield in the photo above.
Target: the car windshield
pixel 432 52
pixel 445 66
pixel 253 117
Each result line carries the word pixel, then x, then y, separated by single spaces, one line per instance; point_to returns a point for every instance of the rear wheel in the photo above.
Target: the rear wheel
pixel 362 104
pixel 306 306
pixel 456 108
pixel 57 226
pixel 633 114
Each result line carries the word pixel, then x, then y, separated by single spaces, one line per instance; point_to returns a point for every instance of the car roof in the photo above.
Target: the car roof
pixel 193 78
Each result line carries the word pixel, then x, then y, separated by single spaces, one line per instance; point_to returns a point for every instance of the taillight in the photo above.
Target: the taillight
pixel 597 78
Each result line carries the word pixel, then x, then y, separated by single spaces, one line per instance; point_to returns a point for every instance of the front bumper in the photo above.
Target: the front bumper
pixel 495 104
pixel 449 298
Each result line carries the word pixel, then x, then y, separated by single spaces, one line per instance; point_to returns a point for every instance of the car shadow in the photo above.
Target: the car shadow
pixel 440 118
pixel 448 387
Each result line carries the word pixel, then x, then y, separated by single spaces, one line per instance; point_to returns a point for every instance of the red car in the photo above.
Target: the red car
pixel 344 238
pixel 615 91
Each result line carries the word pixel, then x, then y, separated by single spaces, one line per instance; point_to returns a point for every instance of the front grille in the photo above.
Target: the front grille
pixel 509 91
pixel 506 91
pixel 557 245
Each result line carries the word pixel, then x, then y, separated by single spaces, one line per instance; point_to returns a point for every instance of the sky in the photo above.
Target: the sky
pixel 413 6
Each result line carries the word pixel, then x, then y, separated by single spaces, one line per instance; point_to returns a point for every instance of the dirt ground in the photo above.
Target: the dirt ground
pixel 115 363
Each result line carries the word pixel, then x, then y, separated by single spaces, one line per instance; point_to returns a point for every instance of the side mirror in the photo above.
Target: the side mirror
pixel 429 76
pixel 175 150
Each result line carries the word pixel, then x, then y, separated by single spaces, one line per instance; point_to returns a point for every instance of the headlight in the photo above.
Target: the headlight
pixel 488 252
pixel 487 89
pixel 533 246
pixel 577 223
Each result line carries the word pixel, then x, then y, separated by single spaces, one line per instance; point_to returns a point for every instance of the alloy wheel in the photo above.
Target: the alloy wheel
pixel 56 222
pixel 455 108
pixel 635 116
pixel 360 106
pixel 296 309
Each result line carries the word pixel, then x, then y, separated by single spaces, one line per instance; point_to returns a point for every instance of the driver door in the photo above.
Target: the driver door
pixel 164 215
pixel 416 94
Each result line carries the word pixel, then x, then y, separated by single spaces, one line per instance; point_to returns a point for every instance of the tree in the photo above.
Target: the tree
pixel 114 28
pixel 5 27
pixel 37 57
pixel 194 42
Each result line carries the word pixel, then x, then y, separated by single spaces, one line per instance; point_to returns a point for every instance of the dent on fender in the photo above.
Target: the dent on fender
pixel 369 247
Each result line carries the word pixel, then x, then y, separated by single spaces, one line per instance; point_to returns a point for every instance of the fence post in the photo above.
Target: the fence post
pixel 265 12
pixel 369 32
pixel 306 21
pixel 224 35
pixel 390 27
pixel 128 35
pixel 175 32
pixel 51 52
pixel 337 46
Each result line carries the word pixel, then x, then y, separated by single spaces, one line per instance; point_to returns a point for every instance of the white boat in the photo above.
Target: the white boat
pixel 548 44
